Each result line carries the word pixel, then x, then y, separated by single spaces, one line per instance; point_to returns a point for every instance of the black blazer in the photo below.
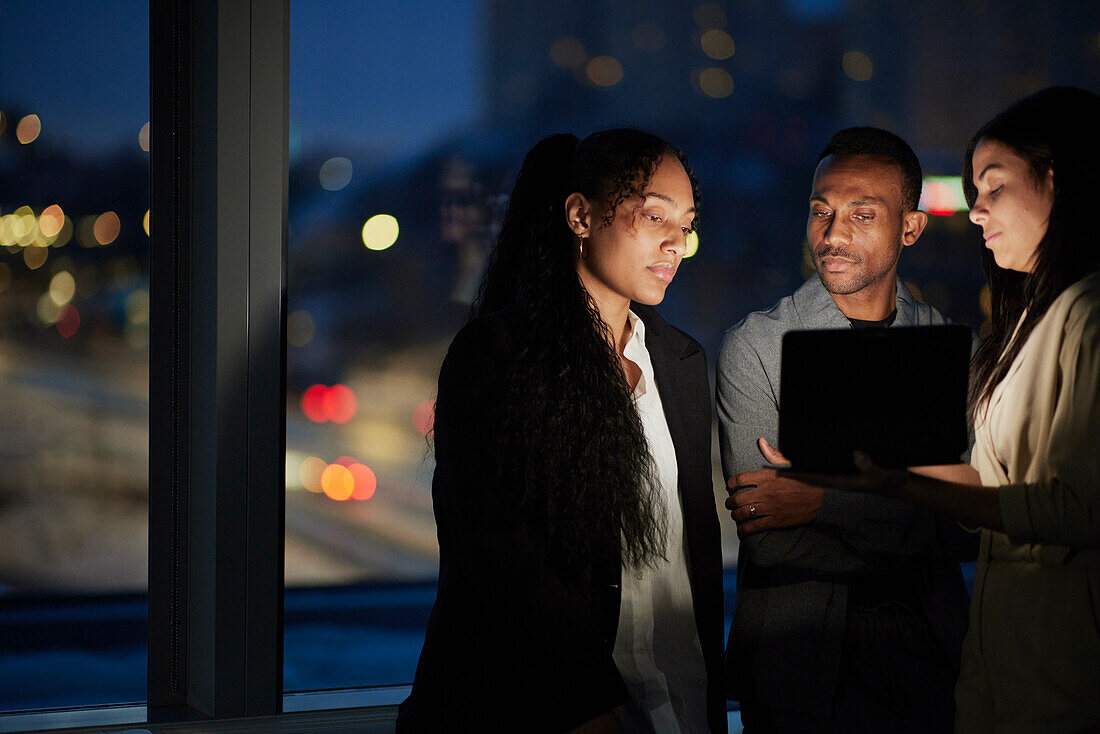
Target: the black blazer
pixel 514 643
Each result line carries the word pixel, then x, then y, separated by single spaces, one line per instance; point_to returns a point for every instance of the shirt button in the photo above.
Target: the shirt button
pixel 639 575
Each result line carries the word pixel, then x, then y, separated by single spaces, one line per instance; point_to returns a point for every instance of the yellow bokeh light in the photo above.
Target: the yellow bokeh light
pixel 380 232
pixel 568 52
pixel 28 129
pixel 337 482
pixel 106 228
pixel 857 65
pixel 23 225
pixel 47 310
pixel 717 44
pixel 143 137
pixel 62 288
pixel 692 244
pixel 715 82
pixel 51 221
pixel 145 223
pixel 35 257
pixel 604 71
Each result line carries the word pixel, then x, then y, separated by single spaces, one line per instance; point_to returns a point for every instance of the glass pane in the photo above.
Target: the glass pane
pixel 408 124
pixel 74 317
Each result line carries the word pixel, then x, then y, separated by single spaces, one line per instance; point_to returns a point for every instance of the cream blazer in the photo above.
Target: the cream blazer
pixel 1040 434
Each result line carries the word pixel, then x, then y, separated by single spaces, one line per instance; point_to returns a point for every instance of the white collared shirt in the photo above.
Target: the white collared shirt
pixel 657 648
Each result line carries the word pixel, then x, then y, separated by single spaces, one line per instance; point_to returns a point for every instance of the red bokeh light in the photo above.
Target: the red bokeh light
pixel 339 404
pixel 365 481
pixel 313 403
pixel 68 321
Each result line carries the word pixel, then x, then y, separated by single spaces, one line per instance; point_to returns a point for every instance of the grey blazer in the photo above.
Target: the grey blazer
pixel 785 641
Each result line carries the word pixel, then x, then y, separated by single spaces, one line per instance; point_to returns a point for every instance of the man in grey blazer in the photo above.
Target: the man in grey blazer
pixel 851 608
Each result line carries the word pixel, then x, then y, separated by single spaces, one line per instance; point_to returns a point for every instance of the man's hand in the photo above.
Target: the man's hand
pixel 761 500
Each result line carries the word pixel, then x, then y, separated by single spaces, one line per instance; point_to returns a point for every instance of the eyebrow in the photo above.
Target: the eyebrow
pixel 866 201
pixel 669 199
pixel 987 169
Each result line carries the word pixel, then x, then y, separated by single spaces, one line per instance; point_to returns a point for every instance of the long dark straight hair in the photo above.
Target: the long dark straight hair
pixel 570 440
pixel 1056 130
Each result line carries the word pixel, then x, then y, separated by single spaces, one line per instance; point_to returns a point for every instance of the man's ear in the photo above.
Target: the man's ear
pixel 912 225
pixel 578 214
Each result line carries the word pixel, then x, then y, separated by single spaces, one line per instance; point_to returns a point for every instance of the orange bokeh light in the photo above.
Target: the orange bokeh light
pixel 365 481
pixel 423 417
pixel 310 473
pixel 337 482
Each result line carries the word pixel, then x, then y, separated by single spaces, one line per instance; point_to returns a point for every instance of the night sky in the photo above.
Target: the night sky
pixel 364 73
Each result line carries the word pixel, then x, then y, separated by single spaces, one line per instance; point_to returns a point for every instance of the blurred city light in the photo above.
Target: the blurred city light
pixel 300 328
pixel 35 257
pixel 68 321
pixel 28 129
pixel 62 288
pixel 857 66
pixel 365 481
pixel 717 44
pixel 604 71
pixel 715 82
pixel 337 482
pixel 380 232
pixel 313 403
pixel 335 174
pixel 321 403
pixel 143 137
pixel 423 417
pixel 310 473
pixel 568 52
pixel 47 310
pixel 51 221
pixel 649 37
pixel 339 403
pixel 943 195
pixel 145 223
pixel 106 228
pixel 692 244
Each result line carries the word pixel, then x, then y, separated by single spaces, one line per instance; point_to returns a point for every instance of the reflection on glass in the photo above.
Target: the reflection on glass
pixel 74 100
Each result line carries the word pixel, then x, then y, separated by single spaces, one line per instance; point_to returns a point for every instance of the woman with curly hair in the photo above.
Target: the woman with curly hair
pixel 580 572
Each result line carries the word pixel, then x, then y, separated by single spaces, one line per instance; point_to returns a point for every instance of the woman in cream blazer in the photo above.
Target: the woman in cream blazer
pixel 1031 660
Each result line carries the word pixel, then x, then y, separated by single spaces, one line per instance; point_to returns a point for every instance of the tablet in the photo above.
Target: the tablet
pixel 897 393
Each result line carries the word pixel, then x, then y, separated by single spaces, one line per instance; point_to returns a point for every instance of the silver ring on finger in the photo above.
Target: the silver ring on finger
pixel 752 510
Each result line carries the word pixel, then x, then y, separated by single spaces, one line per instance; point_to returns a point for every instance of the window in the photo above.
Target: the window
pixel 74 339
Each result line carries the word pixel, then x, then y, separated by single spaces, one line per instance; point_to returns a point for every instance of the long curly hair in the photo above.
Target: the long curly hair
pixel 1053 130
pixel 570 439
